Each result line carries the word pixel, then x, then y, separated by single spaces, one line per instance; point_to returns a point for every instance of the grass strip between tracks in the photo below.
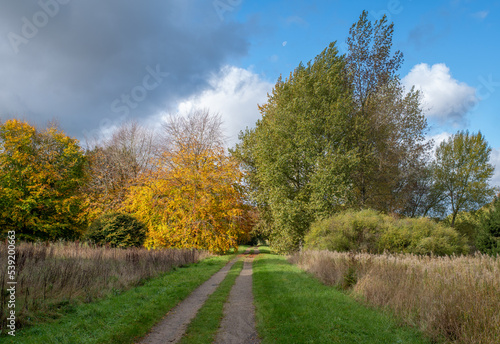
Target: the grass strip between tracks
pixel 204 327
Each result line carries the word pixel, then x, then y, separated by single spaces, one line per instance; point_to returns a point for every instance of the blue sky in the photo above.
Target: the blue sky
pixel 462 35
pixel 91 65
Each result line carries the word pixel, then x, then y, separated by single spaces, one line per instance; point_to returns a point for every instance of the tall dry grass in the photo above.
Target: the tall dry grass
pixel 52 277
pixel 456 298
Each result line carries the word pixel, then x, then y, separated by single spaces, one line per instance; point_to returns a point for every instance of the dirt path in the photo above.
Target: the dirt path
pixel 238 324
pixel 173 326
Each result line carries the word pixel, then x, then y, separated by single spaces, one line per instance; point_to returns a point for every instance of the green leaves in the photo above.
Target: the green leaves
pixel 388 125
pixel 117 230
pixel 295 159
pixel 462 170
pixel 488 238
pixel 41 173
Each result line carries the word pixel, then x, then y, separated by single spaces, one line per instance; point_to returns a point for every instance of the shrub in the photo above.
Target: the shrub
pixel 117 230
pixel 421 236
pixel 370 231
pixel 488 237
pixel 467 223
pixel 348 231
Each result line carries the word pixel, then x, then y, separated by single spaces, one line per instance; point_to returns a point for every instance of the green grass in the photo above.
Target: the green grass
pixel 242 248
pixel 264 249
pixel 128 316
pixel 203 328
pixel 302 310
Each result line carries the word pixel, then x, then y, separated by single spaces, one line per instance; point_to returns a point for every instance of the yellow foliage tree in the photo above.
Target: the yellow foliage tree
pixel 192 195
pixel 192 199
pixel 41 173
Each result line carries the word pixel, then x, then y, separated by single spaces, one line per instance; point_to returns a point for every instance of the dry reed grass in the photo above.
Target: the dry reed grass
pixel 51 277
pixel 456 298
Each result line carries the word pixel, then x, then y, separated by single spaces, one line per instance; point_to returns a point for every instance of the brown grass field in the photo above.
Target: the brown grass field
pixel 53 277
pixel 453 298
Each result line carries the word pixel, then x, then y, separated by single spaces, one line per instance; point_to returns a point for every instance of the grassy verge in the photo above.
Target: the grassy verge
pixel 453 298
pixel 53 278
pixel 302 310
pixel 203 328
pixel 128 316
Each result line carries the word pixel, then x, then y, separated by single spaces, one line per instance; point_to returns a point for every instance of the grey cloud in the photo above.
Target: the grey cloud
pixel 90 53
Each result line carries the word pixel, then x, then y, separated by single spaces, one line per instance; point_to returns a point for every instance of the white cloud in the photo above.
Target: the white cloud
pixel 495 161
pixel 234 93
pixel 444 98
pixel 438 138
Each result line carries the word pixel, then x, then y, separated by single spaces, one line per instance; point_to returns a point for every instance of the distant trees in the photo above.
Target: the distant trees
pixel 41 176
pixel 183 186
pixel 461 172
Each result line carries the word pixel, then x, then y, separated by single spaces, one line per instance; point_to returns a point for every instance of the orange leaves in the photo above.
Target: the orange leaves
pixel 191 201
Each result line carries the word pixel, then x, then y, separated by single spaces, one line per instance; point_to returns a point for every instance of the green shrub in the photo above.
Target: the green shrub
pixel 467 223
pixel 488 237
pixel 117 230
pixel 372 232
pixel 421 236
pixel 348 231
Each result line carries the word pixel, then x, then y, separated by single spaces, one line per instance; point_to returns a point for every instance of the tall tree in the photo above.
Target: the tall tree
pixel 193 197
pixel 41 175
pixel 462 170
pixel 296 159
pixel 388 124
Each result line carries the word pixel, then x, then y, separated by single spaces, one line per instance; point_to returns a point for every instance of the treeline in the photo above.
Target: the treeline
pixel 174 188
pixel 342 132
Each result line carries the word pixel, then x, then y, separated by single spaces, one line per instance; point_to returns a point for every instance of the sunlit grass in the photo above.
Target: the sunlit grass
pixel 293 307
pixel 452 297
pixel 204 327
pixel 124 317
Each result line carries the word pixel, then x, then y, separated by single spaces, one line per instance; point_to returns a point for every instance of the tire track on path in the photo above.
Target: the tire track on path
pixel 174 324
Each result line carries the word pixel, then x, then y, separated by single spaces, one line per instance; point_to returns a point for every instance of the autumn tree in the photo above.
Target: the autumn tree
pixel 296 159
pixel 41 175
pixel 388 125
pixel 114 165
pixel 461 171
pixel 193 197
